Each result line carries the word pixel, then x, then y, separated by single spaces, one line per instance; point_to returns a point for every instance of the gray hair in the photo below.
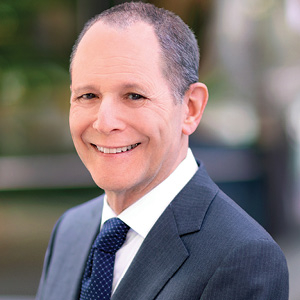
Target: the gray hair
pixel 180 52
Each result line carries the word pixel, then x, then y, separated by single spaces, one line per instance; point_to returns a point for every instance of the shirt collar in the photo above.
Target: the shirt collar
pixel 142 215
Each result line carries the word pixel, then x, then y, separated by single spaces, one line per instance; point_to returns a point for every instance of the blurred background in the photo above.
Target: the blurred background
pixel 249 138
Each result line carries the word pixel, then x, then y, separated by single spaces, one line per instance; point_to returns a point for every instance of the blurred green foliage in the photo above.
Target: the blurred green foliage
pixel 36 38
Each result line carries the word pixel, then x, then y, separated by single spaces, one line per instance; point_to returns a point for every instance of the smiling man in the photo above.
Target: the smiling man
pixel 126 126
pixel 135 99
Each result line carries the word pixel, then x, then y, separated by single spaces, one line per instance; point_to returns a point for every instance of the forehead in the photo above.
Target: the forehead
pixel 110 49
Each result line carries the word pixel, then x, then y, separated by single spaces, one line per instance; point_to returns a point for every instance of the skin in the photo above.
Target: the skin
pixel 119 98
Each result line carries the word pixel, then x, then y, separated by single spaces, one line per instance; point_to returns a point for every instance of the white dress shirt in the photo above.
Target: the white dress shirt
pixel 142 215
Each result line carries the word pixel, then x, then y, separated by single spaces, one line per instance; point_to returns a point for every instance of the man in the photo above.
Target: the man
pixel 135 101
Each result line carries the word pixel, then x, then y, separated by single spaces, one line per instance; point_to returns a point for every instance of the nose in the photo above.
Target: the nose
pixel 108 117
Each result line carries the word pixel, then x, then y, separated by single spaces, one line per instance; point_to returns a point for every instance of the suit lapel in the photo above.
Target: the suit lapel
pixel 159 257
pixel 163 252
pixel 191 204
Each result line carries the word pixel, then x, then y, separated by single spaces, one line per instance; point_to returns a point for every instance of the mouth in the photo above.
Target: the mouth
pixel 116 150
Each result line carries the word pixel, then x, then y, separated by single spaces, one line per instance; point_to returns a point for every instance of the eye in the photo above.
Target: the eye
pixel 134 96
pixel 88 96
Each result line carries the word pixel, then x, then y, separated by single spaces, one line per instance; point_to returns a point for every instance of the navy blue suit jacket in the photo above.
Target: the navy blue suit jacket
pixel 204 246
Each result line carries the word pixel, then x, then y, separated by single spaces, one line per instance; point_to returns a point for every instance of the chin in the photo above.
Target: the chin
pixel 112 183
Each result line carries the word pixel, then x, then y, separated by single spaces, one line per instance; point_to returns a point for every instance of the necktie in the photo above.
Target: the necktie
pixel 98 274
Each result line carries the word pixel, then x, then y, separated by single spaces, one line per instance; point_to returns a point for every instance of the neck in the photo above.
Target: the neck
pixel 121 199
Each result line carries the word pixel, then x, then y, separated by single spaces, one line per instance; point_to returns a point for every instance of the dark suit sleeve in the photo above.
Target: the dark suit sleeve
pixel 256 270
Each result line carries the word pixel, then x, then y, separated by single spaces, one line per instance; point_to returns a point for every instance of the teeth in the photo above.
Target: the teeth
pixel 116 150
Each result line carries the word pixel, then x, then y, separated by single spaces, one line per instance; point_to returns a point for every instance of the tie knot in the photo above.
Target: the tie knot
pixel 112 236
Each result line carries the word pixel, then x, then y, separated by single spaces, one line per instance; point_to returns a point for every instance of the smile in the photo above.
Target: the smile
pixel 117 150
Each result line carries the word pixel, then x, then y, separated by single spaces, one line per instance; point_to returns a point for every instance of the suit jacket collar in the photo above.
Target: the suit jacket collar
pixel 190 205
pixel 163 252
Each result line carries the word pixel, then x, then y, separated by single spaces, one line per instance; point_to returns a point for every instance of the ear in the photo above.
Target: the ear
pixel 195 100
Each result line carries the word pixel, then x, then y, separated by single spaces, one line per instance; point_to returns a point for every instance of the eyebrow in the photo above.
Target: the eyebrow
pixel 136 87
pixel 84 88
pixel 130 86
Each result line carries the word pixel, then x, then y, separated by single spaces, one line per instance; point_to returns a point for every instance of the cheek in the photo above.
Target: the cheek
pixel 73 123
pixel 78 122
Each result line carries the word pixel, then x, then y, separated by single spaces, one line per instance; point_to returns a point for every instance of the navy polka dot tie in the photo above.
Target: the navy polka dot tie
pixel 98 274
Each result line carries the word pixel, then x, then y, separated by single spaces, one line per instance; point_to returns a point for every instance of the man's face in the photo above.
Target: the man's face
pixel 124 122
